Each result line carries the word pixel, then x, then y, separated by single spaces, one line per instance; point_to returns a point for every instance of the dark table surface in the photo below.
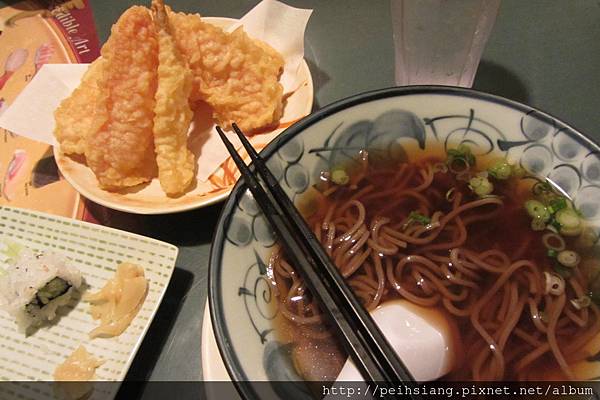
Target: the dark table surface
pixel 545 53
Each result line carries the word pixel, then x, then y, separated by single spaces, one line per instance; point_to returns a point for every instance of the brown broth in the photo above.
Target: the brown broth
pixel 510 231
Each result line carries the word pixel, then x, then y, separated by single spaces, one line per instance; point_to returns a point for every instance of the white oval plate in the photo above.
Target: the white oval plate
pixel 151 199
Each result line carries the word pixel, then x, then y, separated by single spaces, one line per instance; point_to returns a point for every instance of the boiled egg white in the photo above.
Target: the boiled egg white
pixel 425 339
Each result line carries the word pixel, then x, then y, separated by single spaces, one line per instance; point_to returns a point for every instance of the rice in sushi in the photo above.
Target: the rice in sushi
pixel 34 284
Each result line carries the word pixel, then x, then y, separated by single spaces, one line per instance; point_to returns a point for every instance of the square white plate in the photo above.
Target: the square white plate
pixel 96 251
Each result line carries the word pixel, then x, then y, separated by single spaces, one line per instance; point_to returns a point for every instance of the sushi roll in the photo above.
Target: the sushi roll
pixel 34 284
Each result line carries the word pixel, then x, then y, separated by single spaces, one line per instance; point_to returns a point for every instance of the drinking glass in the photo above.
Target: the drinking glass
pixel 440 41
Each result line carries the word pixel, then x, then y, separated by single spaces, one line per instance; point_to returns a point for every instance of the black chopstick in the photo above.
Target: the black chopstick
pixel 370 351
pixel 364 323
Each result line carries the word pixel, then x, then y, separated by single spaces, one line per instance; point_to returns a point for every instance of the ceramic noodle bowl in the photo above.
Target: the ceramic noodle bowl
pixel 392 125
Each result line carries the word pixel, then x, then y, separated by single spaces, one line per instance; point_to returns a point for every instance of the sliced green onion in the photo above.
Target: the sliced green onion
pixel 501 169
pixel 554 284
pixel 339 177
pixel 466 150
pixel 458 165
pixel 418 217
pixel 481 186
pixel 551 253
pixel 537 210
pixel 558 204
pixel 541 188
pixel 568 258
pixel 581 302
pixel 553 242
pixel 570 222
pixel 450 194
pixel 544 192
pixel 570 232
pixel 461 156
pixel 538 224
pixel 555 225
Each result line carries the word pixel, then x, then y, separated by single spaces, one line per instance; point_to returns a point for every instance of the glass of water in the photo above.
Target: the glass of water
pixel 440 41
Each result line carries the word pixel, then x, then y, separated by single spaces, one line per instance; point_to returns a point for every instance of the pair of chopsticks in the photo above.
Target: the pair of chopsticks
pixel 372 354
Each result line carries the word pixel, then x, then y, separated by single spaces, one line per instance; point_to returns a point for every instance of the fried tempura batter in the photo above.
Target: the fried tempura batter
pixel 172 111
pixel 121 152
pixel 236 75
pixel 75 115
pixel 131 113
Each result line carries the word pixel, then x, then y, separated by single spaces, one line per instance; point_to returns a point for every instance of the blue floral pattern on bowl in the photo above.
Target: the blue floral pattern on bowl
pixel 389 124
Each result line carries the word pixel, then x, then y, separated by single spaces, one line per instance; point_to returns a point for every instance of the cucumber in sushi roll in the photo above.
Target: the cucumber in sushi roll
pixel 34 284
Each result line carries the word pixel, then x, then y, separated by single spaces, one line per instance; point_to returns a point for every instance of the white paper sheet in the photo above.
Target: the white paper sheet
pixel 32 113
pixel 282 27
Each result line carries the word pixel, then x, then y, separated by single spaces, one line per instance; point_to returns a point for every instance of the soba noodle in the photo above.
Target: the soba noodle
pixel 475 257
